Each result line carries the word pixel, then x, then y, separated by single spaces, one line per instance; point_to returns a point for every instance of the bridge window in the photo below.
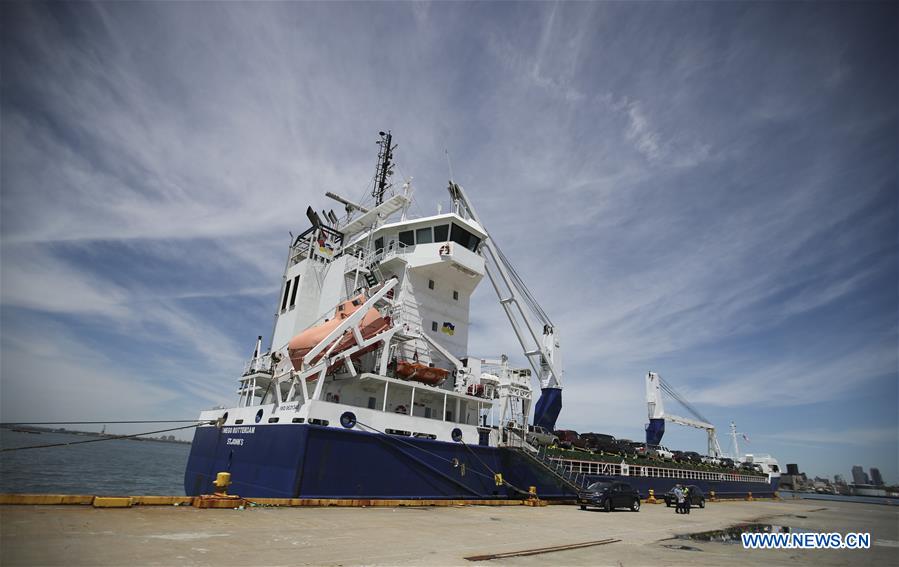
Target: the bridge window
pixel 293 294
pixel 379 245
pixel 434 326
pixel 430 284
pixel 456 295
pixel 464 238
pixel 441 233
pixel 407 238
pixel 286 294
pixel 423 236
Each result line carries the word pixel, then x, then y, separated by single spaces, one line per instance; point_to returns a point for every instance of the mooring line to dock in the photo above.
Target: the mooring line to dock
pixel 106 438
pixel 386 436
pixel 539 550
pixel 11 423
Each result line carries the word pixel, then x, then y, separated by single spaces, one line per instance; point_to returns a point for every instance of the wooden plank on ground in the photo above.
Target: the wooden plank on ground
pixel 539 550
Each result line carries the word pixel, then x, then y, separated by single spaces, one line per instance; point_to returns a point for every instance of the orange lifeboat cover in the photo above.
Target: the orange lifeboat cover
pixel 421 372
pixel 372 323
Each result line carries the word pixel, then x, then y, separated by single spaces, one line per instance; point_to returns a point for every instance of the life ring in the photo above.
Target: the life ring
pixel 401 409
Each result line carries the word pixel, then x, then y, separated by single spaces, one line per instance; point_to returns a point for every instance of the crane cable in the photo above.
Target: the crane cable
pixel 680 399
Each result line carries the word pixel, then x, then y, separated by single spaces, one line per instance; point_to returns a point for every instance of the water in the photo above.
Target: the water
pixel 885 500
pixel 733 534
pixel 109 468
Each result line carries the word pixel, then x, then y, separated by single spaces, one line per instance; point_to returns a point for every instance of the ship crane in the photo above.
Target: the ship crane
pixel 538 337
pixel 657 415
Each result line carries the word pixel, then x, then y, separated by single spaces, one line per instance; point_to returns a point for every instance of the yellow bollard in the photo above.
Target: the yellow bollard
pixel 652 497
pixel 749 497
pixel 712 497
pixel 222 482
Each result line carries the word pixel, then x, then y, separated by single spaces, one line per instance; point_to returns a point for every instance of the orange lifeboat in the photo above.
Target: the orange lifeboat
pixel 371 324
pixel 421 372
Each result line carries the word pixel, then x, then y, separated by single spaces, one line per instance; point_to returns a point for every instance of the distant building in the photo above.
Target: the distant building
pixel 859 476
pixel 838 479
pixel 876 479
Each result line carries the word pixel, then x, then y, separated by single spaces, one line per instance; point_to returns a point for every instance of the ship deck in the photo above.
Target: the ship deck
pixel 160 535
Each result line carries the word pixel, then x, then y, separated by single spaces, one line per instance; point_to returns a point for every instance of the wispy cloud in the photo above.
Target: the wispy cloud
pixel 681 193
pixel 871 436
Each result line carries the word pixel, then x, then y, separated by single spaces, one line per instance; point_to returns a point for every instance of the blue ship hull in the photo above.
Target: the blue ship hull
pixel 310 461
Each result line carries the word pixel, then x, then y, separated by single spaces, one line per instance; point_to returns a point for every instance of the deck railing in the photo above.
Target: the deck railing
pixel 600 468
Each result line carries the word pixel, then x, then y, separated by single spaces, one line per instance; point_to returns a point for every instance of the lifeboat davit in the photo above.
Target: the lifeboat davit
pixel 371 324
pixel 421 372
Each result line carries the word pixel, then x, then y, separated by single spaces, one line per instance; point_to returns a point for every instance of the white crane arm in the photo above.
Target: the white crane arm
pixel 541 349
pixel 689 422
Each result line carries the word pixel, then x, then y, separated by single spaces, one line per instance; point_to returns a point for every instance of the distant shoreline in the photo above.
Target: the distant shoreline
pixel 36 429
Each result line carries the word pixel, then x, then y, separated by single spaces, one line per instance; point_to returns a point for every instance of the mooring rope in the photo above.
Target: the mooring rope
pixel 10 423
pixel 106 438
pixel 477 472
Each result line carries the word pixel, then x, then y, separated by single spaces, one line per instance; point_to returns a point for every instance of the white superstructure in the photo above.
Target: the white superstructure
pixel 373 319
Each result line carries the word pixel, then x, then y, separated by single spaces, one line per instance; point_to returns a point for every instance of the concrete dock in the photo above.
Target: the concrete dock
pixel 170 535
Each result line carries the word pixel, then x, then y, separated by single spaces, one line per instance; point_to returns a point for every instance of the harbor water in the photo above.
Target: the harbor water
pixel 106 468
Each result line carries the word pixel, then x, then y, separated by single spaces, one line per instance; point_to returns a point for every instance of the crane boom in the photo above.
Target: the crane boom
pixel 536 333
pixel 657 415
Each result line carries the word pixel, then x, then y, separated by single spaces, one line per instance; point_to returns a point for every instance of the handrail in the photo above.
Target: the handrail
pixel 568 478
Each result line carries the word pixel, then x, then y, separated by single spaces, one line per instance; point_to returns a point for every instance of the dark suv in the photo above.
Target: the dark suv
pixel 695 494
pixel 600 442
pixel 609 495
pixel 569 439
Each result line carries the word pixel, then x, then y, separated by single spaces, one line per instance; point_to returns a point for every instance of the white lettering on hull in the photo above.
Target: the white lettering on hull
pixel 244 429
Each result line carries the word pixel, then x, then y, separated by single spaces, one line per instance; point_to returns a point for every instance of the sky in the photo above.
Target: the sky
pixel 704 190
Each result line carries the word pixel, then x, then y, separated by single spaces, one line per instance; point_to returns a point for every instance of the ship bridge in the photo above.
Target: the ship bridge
pixel 437 262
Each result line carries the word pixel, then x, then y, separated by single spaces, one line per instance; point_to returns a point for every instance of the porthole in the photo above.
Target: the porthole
pixel 457 435
pixel 259 416
pixel 348 419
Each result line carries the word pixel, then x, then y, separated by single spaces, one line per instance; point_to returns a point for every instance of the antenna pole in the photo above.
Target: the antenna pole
pixel 385 167
pixel 449 165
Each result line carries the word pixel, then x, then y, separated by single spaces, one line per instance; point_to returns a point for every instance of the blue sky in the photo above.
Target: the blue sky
pixel 706 190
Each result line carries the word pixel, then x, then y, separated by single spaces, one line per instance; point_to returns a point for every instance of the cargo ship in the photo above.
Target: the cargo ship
pixel 367 388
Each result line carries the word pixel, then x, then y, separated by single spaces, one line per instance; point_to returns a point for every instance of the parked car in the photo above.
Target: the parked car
pixel 709 460
pixel 729 463
pixel 625 447
pixel 600 442
pixel 752 467
pixel 679 456
pixel 695 494
pixel 609 495
pixel 660 452
pixel 569 438
pixel 693 457
pixel 538 436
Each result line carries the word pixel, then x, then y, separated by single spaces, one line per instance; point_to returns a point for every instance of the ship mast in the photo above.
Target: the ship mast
pixel 385 167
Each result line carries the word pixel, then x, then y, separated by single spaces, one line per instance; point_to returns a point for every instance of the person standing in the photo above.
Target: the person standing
pixel 687 503
pixel 679 496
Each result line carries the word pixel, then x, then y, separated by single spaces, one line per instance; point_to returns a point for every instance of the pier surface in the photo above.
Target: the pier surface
pixel 169 535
